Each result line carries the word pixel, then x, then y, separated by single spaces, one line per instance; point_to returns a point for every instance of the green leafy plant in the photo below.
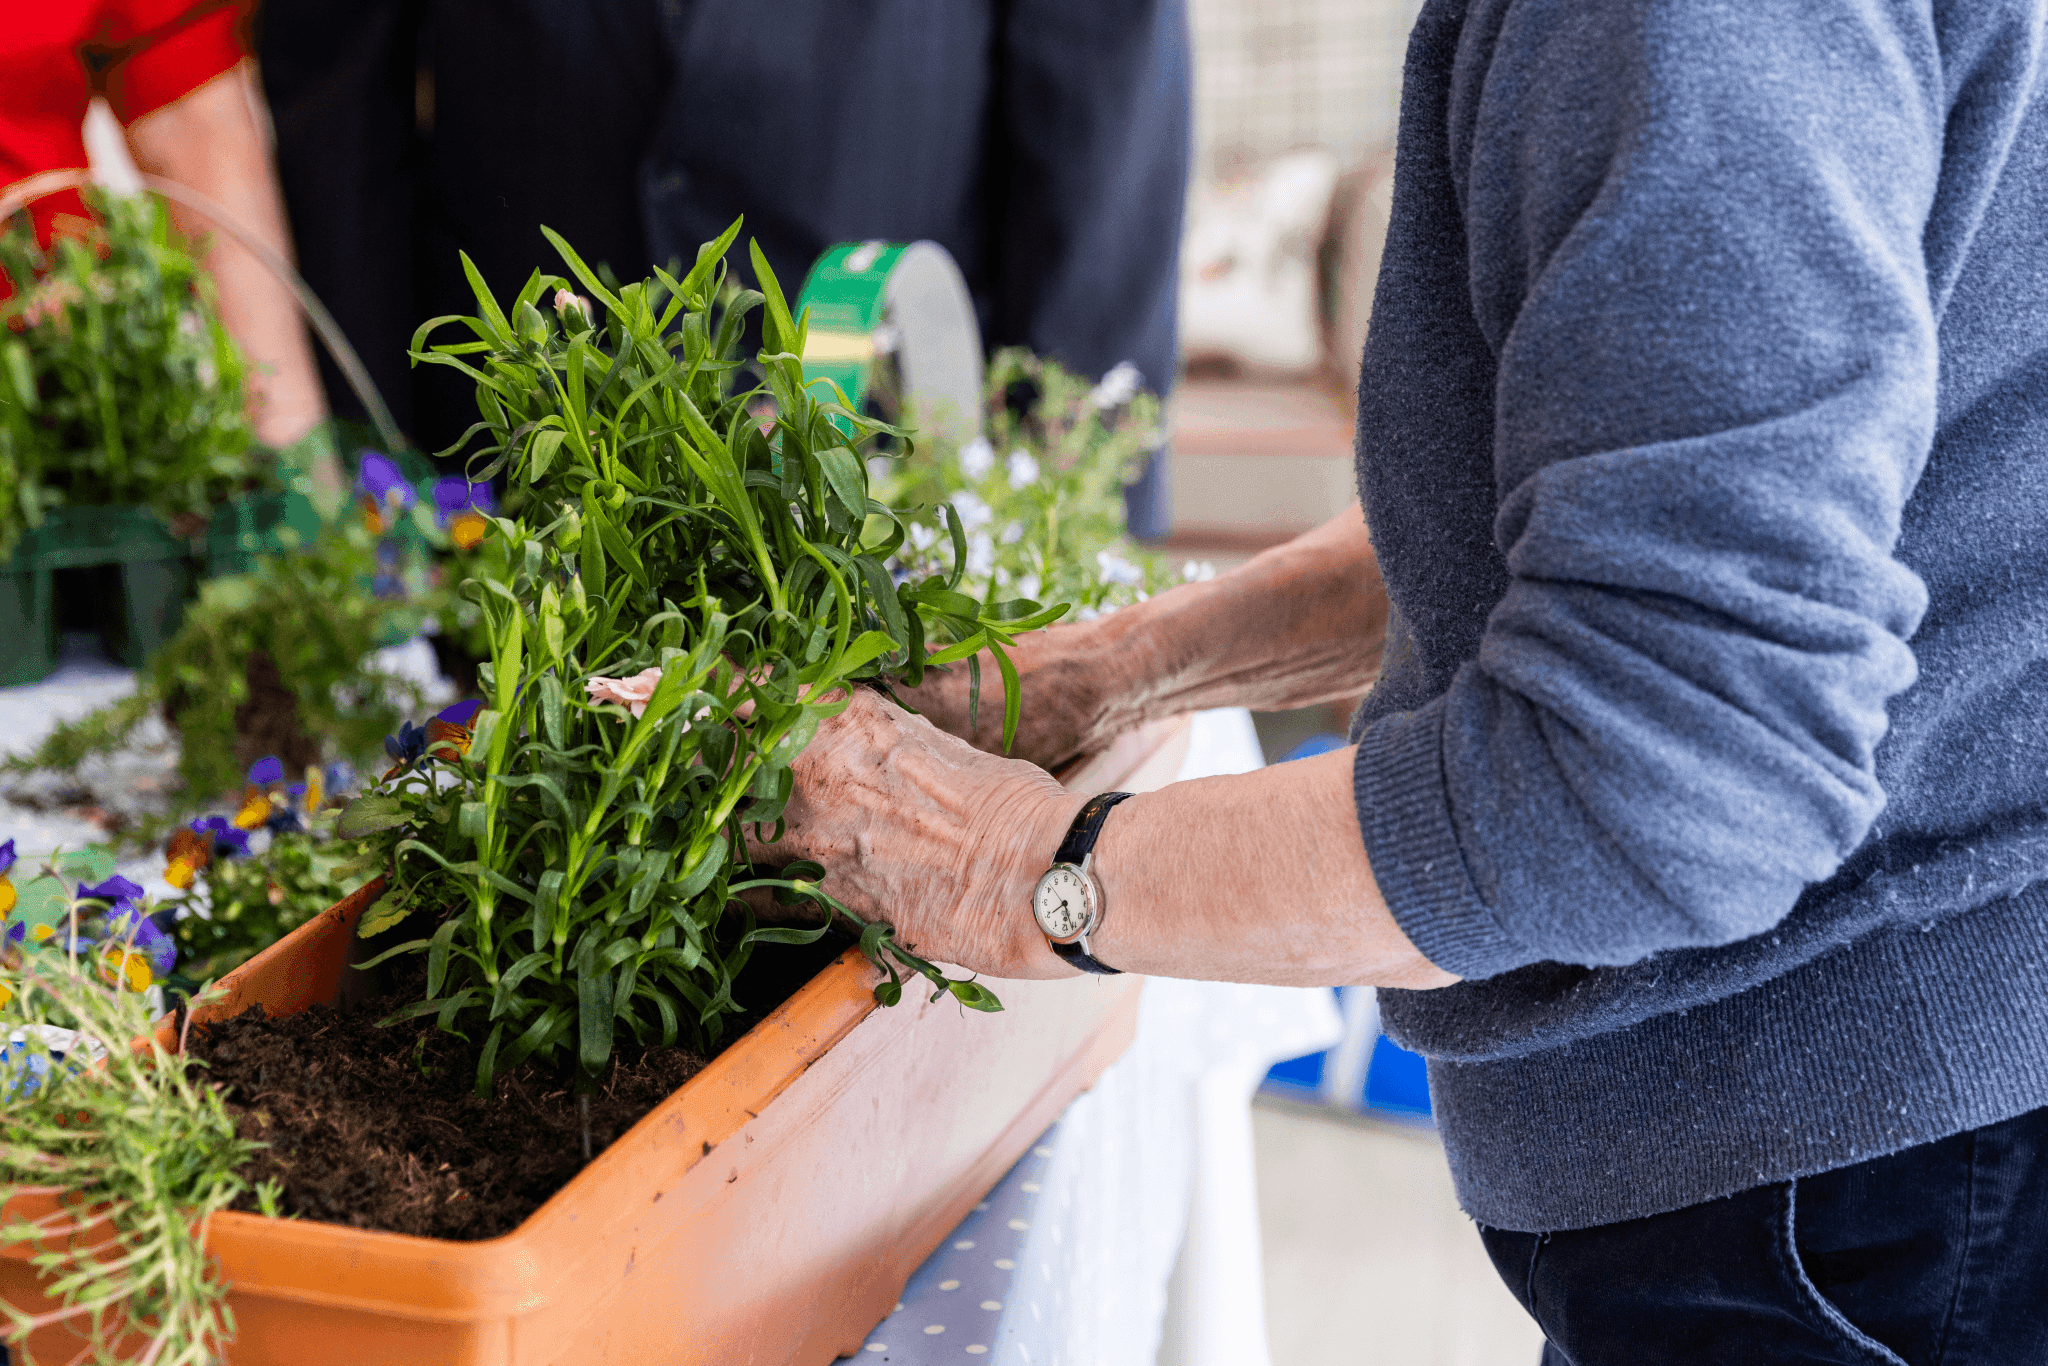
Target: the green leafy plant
pixel 252 903
pixel 1040 494
pixel 119 1155
pixel 126 1155
pixel 698 576
pixel 79 907
pixel 248 884
pixel 297 632
pixel 118 383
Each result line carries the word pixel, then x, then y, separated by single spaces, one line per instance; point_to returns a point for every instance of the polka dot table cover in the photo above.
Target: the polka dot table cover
pixel 979 1297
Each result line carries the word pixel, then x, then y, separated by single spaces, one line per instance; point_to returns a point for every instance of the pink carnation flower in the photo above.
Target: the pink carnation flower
pixel 566 303
pixel 631 692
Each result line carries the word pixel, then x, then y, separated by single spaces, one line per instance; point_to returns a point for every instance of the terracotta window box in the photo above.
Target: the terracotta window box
pixel 769 1211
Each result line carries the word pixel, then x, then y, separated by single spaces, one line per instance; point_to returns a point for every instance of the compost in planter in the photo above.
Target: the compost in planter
pixel 381 1128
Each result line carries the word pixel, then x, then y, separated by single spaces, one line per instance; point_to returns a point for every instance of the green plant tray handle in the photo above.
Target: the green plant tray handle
pixel 875 306
pixel 158 569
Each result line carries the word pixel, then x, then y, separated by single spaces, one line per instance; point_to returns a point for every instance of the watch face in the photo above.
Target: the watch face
pixel 1064 902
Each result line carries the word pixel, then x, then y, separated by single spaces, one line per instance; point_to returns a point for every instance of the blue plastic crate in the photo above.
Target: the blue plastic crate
pixel 1396 1082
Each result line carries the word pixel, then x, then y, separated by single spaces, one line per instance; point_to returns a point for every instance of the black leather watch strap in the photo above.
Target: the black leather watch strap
pixel 1074 849
pixel 1084 960
pixel 1087 826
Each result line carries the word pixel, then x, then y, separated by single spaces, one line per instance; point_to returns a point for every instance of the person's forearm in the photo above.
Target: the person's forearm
pixel 209 141
pixel 1258 877
pixel 1299 624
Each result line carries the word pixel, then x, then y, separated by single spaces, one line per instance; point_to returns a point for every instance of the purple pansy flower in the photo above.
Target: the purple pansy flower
pixel 6 857
pixel 116 891
pixel 452 495
pixel 228 838
pixel 145 937
pixel 379 479
pixel 408 744
pixel 267 770
pixel 461 713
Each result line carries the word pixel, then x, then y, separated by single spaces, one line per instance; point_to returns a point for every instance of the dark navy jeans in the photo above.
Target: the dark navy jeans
pixel 1935 1256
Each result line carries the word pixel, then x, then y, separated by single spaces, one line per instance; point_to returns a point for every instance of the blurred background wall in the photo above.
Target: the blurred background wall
pixel 1275 75
pixel 1295 108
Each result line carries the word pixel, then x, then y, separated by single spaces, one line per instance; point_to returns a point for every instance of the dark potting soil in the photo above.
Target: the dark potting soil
pixel 382 1128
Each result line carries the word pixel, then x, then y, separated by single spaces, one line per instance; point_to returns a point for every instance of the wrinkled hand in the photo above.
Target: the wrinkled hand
pixel 920 829
pixel 1071 688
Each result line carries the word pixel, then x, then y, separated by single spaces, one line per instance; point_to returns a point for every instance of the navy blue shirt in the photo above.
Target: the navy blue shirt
pixel 1044 143
pixel 1703 435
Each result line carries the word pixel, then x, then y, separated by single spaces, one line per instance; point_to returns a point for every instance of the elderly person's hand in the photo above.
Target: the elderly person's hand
pixel 1301 623
pixel 1262 877
pixel 1256 878
pixel 923 830
pixel 1078 682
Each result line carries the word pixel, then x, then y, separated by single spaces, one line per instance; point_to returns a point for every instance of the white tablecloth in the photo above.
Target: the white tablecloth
pixel 1146 1180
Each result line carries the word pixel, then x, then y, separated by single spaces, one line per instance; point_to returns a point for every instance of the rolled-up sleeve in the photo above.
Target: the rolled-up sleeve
pixel 1694 232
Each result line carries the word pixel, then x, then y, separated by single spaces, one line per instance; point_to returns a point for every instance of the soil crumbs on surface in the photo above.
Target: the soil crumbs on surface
pixel 382 1128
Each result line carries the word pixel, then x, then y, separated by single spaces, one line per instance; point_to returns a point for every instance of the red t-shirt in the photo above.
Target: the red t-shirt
pixel 55 55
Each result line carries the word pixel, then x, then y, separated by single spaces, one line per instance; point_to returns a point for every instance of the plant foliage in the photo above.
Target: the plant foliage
pixel 133 1154
pixel 706 549
pixel 118 383
pixel 1040 495
pixel 314 615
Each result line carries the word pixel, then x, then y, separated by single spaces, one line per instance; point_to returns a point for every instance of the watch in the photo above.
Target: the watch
pixel 1068 902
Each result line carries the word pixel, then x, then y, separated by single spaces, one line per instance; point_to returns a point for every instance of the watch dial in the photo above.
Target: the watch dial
pixel 1061 903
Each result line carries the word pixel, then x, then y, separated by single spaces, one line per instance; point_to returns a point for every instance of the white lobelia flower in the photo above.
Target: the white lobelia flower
pixel 1198 571
pixel 977 458
pixel 1012 533
pixel 1117 387
pixel 1023 470
pixel 922 537
pixel 973 511
pixel 981 554
pixel 1028 587
pixel 1116 569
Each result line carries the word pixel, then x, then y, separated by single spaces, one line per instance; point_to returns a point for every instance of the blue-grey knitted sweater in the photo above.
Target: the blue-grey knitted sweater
pixel 1703 434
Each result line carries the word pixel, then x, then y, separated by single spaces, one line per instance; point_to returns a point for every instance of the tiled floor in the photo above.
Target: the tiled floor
pixel 1368 1260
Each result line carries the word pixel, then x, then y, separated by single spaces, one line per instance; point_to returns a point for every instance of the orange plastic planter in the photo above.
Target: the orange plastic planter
pixel 769 1211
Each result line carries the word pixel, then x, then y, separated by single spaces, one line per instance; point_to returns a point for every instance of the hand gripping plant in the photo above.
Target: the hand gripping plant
pixel 698 576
